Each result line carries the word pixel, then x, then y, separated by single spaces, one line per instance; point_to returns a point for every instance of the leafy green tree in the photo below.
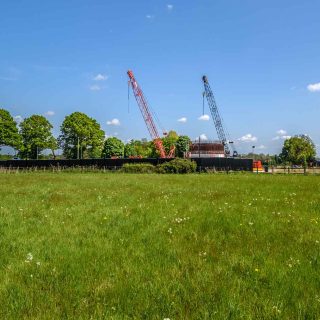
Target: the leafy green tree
pixel 9 135
pixel 113 147
pixel 170 140
pixel 182 145
pixel 36 136
pixel 138 148
pixel 81 136
pixel 129 149
pixel 298 150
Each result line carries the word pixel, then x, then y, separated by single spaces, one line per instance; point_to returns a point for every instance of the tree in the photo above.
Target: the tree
pixel 129 149
pixel 113 147
pixel 182 145
pixel 138 148
pixel 9 135
pixel 81 136
pixel 36 136
pixel 170 140
pixel 298 150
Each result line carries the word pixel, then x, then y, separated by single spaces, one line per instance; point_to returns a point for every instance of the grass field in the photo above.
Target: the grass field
pixel 117 246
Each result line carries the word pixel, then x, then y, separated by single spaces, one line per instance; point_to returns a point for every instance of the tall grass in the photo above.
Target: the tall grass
pixel 104 246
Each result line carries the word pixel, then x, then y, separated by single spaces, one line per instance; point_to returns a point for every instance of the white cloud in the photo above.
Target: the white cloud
pixel 261 147
pixel 183 119
pixel 113 122
pixel 285 137
pixel 150 16
pixel 18 119
pixel 202 137
pixel 170 7
pixel 100 77
pixel 314 87
pixel 95 88
pixel 204 117
pixel 248 138
pixel 50 113
pixel 281 132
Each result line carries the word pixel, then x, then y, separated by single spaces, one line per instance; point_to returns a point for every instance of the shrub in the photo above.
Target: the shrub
pixel 177 166
pixel 138 168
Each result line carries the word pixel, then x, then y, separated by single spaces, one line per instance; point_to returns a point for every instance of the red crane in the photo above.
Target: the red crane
pixel 147 117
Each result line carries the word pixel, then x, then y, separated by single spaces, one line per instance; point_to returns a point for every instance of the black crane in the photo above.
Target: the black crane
pixel 222 134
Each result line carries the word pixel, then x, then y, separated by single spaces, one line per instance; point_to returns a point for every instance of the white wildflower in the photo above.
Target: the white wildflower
pixel 276 309
pixel 29 257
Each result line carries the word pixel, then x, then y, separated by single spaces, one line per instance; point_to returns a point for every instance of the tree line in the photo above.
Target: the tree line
pixel 81 137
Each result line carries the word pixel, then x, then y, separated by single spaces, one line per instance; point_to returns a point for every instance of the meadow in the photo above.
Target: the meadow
pixel 129 246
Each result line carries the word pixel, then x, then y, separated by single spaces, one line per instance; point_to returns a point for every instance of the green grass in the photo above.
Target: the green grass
pixel 123 246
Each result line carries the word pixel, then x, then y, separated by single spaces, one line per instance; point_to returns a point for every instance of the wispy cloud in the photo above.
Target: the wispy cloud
pixel 100 77
pixel 50 113
pixel 18 119
pixel 95 87
pixel 169 7
pixel 7 78
pixel 285 137
pixel 314 87
pixel 248 138
pixel 10 74
pixel 261 147
pixel 113 122
pixel 52 68
pixel 183 120
pixel 150 16
pixel 204 117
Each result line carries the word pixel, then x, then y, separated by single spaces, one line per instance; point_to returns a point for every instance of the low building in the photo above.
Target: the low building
pixel 206 149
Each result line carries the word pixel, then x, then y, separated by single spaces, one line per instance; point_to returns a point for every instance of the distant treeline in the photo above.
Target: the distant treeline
pixel 81 137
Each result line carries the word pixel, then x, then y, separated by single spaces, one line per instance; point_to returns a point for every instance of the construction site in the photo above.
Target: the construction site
pixel 218 155
pixel 223 148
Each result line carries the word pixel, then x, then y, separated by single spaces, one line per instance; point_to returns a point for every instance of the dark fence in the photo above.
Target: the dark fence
pixel 224 164
pixel 202 163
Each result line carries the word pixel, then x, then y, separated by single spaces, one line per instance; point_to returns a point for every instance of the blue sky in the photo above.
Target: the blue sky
pixel 262 60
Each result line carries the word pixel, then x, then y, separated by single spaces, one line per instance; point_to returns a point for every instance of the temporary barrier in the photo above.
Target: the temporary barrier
pixel 226 164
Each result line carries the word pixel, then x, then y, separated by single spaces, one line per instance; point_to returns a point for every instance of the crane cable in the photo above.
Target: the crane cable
pixel 203 94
